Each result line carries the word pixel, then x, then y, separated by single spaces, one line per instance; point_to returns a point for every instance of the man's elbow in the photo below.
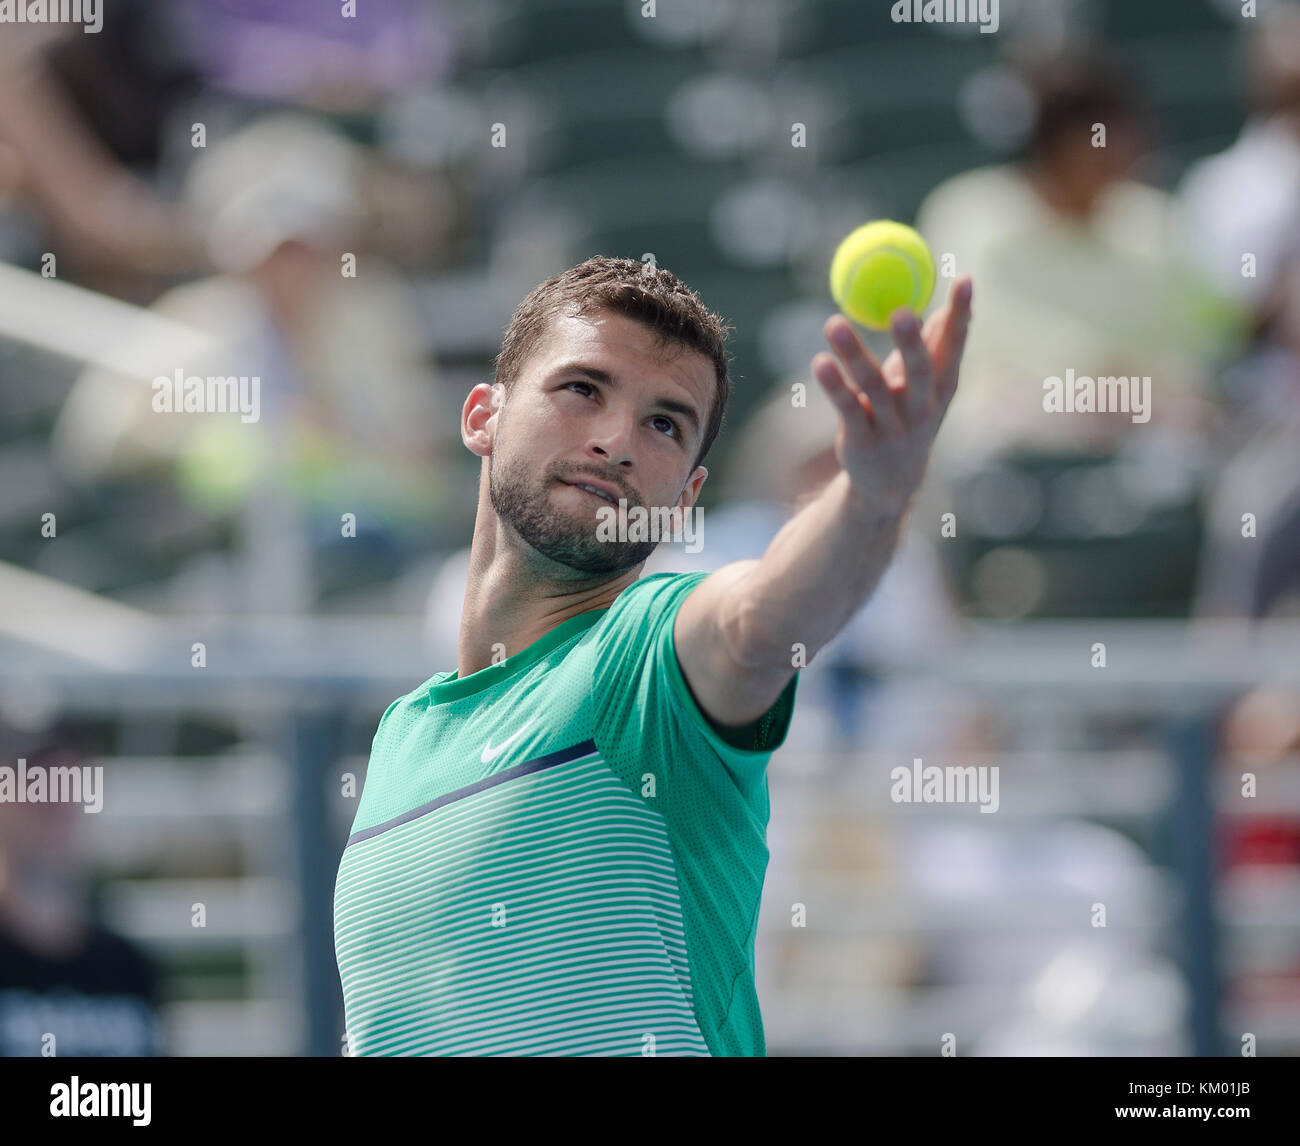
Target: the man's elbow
pixel 753 644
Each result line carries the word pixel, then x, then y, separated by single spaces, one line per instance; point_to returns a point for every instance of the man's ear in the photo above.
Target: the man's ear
pixel 481 404
pixel 691 491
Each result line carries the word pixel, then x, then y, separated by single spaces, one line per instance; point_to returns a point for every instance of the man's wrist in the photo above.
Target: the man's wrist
pixel 873 506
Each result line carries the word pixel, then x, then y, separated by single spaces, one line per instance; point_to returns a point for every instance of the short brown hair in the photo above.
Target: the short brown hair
pixel 651 295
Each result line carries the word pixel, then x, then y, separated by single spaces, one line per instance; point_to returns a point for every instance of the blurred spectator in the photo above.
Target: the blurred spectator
pixel 1250 566
pixel 1075 268
pixel 51 156
pixel 1246 200
pixel 349 419
pixel 115 111
pixel 63 973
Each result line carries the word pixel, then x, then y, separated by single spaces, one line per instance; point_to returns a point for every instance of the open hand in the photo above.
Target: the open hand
pixel 890 413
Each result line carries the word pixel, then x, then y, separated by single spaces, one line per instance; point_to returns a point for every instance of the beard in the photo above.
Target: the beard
pixel 530 504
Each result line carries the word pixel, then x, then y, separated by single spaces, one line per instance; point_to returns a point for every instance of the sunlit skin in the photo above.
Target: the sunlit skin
pixel 536 560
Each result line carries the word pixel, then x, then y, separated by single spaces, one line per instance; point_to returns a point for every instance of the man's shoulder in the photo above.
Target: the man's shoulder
pixel 407 700
pixel 644 600
pixel 655 585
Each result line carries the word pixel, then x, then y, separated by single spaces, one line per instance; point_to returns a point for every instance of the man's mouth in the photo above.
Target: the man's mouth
pixel 594 490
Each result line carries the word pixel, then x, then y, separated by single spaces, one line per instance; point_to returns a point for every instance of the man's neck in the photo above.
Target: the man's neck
pixel 514 597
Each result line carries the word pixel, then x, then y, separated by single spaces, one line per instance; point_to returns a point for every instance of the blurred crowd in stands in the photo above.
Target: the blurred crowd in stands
pixel 1080 265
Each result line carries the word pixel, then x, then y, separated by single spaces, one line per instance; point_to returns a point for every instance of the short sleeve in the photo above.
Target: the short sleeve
pixel 383 720
pixel 642 699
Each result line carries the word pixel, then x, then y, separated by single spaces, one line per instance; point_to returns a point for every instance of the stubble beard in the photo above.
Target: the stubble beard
pixel 525 501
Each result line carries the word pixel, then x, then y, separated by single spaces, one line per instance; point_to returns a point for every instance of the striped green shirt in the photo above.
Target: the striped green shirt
pixel 560 854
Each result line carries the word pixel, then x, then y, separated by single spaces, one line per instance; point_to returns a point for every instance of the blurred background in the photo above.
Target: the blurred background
pixel 217 613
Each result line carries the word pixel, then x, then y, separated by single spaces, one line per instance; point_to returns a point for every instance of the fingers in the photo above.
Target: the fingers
pixel 930 359
pixel 846 399
pixel 952 338
pixel 917 368
pixel 862 372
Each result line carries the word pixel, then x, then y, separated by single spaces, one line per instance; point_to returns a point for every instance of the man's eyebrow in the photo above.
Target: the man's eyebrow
pixel 607 379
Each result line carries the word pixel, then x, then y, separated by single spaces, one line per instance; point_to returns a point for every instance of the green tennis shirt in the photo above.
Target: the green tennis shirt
pixel 560 854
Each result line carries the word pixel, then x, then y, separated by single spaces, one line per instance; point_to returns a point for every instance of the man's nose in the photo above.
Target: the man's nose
pixel 612 439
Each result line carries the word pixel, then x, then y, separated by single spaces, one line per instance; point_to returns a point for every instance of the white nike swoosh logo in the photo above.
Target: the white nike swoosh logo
pixel 490 753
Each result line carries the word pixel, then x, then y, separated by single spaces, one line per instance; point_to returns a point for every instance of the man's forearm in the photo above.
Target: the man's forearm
pixel 817 572
pixel 823 565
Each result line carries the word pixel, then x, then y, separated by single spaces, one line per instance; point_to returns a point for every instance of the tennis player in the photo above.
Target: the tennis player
pixel 561 844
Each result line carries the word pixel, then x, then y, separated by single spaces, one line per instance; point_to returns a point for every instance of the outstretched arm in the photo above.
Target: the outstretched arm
pixel 735 633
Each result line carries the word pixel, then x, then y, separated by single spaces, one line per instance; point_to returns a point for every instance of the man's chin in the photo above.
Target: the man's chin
pixel 604 562
pixel 598 558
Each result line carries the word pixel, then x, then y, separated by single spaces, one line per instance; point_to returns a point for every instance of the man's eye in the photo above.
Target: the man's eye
pixel 672 427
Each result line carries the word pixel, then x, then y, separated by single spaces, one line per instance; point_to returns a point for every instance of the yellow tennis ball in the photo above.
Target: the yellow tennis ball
pixel 878 268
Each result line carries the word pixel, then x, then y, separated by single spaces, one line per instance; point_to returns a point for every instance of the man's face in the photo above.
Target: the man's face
pixel 598 403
